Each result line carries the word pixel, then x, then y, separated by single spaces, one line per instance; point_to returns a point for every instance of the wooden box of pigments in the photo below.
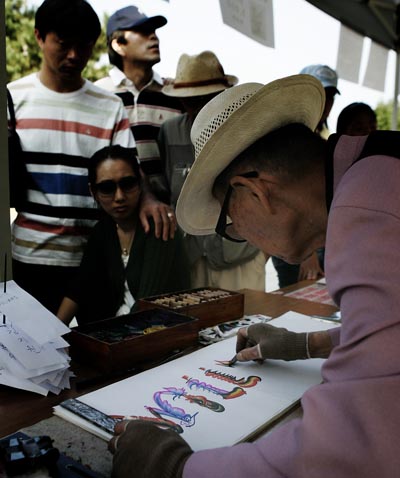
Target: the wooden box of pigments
pixel 122 343
pixel 211 306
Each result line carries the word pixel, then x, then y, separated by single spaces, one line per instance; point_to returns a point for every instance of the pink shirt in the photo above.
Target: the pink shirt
pixel 351 423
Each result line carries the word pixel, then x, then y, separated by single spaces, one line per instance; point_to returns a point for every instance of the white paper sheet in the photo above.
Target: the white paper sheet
pixel 349 54
pixel 32 351
pixel 375 74
pixel 7 379
pixel 257 393
pixel 30 354
pixel 9 362
pixel 24 310
pixel 254 18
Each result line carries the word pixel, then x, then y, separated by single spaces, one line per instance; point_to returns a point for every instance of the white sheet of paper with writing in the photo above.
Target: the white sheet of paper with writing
pixel 24 310
pixel 32 355
pixel 210 405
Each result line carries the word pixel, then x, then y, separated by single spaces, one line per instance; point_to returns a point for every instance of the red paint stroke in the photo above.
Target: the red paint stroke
pixel 250 381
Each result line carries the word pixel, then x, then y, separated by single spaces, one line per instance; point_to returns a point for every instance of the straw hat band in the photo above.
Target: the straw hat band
pixel 189 84
pixel 199 75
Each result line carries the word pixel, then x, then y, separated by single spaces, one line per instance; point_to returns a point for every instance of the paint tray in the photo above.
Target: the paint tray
pixel 123 342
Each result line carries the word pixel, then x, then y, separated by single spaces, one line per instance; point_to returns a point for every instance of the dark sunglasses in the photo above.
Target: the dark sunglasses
pixel 224 229
pixel 109 187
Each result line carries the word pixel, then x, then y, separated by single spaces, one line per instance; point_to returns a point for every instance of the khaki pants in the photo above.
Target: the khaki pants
pixel 250 275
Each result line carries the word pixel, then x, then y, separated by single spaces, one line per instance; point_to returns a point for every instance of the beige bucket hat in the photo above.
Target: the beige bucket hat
pixel 230 123
pixel 197 75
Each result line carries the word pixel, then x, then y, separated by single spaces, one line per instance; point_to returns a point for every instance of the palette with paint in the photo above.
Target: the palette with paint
pixel 123 342
pixel 210 305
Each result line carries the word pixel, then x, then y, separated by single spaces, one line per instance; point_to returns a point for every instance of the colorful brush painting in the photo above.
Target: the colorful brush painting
pixel 210 404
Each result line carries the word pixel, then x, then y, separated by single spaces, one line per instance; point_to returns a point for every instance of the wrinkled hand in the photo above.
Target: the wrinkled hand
pixel 264 341
pixel 143 450
pixel 310 268
pixel 163 216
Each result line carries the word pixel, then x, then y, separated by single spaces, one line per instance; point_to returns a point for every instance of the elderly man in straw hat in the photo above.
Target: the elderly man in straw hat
pixel 214 261
pixel 259 162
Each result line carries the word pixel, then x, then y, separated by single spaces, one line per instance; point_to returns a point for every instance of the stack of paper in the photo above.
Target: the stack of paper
pixel 32 355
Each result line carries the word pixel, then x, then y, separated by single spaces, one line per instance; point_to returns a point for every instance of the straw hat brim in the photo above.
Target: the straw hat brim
pixel 187 91
pixel 295 99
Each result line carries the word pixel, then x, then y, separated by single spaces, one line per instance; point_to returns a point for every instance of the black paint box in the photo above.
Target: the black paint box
pixel 121 343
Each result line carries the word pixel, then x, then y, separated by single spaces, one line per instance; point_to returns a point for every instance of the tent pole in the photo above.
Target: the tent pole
pixel 5 235
pixel 396 92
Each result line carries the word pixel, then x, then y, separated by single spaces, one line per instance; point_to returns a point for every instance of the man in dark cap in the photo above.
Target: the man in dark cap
pixel 133 49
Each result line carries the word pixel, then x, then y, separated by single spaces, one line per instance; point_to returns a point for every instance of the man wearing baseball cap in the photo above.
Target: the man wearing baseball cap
pixel 313 267
pixel 329 79
pixel 263 175
pixel 133 49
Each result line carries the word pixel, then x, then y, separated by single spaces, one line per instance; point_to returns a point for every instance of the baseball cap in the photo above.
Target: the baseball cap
pixel 131 17
pixel 324 74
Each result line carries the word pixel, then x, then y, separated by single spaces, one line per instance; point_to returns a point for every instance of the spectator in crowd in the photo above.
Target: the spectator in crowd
pixel 62 119
pixel 121 263
pixel 356 119
pixel 214 262
pixel 329 79
pixel 133 49
pixel 261 173
pixel 313 267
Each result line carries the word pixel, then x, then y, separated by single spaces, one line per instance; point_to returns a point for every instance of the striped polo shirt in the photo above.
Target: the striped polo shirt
pixel 59 132
pixel 147 109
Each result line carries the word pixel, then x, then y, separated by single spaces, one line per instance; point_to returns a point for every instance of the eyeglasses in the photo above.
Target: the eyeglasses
pixel 224 229
pixel 109 187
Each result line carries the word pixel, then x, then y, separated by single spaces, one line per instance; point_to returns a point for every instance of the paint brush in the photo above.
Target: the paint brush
pixel 228 363
pixel 233 360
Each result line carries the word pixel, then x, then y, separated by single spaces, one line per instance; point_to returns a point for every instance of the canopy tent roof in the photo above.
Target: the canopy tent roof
pixel 376 19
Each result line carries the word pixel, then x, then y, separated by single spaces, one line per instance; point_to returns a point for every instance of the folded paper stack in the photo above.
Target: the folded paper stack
pixel 32 350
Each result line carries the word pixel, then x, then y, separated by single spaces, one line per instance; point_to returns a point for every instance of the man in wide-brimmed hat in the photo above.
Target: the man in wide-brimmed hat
pixel 260 164
pixel 214 261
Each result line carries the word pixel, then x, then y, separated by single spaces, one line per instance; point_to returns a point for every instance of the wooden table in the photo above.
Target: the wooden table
pixel 19 409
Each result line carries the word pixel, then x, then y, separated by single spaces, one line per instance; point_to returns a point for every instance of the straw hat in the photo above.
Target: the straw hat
pixel 230 123
pixel 197 75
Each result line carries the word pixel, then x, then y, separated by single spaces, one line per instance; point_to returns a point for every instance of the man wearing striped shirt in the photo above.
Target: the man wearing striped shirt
pixel 62 119
pixel 133 49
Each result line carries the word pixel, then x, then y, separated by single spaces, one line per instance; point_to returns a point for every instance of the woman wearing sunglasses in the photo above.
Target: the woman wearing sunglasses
pixel 121 262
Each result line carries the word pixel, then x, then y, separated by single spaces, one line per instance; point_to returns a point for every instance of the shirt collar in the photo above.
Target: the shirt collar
pixel 343 151
pixel 119 79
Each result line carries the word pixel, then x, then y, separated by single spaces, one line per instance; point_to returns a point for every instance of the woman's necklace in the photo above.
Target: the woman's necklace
pixel 125 240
